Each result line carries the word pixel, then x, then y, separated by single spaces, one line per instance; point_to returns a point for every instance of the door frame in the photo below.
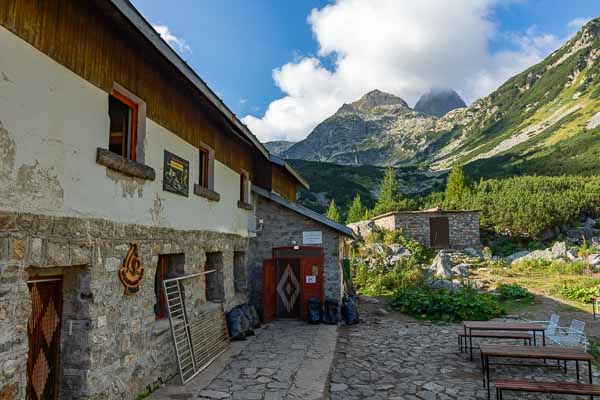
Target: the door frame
pixel 301 253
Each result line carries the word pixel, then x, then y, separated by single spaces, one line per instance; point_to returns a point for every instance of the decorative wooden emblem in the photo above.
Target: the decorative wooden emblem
pixel 131 272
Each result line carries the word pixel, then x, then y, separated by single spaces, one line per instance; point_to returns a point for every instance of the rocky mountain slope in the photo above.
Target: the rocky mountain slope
pixel 377 129
pixel 544 121
pixel 439 102
pixel 278 147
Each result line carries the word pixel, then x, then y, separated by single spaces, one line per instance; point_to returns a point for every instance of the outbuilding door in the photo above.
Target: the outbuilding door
pixel 288 289
pixel 439 232
pixel 43 333
pixel 294 276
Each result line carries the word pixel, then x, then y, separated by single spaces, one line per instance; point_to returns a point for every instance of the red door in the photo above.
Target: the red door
pixel 43 333
pixel 268 291
pixel 288 289
pixel 312 280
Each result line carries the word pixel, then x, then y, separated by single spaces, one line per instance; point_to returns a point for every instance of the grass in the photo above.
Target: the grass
pixel 542 278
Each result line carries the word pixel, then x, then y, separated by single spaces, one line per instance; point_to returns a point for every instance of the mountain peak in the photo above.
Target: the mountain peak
pixel 376 98
pixel 438 102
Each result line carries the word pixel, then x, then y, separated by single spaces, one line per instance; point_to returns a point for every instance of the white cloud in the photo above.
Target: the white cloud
pixel 577 23
pixel 175 42
pixel 402 47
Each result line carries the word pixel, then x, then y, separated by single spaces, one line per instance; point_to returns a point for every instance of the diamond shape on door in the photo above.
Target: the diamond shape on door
pixel 288 288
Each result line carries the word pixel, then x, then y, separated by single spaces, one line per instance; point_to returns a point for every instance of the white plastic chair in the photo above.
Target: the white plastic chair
pixel 573 336
pixel 551 325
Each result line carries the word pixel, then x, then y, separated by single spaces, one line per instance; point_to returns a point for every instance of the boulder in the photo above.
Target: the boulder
pixel 593 260
pixel 514 256
pixel 595 242
pixel 461 270
pixel 559 250
pixel 362 229
pixel 473 252
pixel 442 264
pixel 536 255
pixel 572 255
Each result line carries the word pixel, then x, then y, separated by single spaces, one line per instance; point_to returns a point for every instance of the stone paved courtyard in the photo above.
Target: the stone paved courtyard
pixel 386 358
pixel 285 360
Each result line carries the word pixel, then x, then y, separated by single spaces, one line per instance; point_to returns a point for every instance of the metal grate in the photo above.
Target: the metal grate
pixel 197 342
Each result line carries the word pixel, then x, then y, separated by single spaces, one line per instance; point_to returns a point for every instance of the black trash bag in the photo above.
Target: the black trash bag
pixel 331 312
pixel 235 324
pixel 349 310
pixel 245 320
pixel 314 310
pixel 252 316
pixel 255 316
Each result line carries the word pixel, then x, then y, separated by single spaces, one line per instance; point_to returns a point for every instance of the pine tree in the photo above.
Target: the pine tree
pixel 333 213
pixel 388 192
pixel 456 186
pixel 356 211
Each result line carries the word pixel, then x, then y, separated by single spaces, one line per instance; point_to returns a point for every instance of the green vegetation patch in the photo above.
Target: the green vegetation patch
pixel 455 306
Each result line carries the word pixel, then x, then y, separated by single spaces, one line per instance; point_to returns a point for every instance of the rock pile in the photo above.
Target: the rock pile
pixel 560 251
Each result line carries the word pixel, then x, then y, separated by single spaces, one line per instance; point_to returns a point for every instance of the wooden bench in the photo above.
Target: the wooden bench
pixel 581 389
pixel 462 337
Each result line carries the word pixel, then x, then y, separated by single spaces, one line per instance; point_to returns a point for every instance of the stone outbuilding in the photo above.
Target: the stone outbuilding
pixel 296 254
pixel 435 228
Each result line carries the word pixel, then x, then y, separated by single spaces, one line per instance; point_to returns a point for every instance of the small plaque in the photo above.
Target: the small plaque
pixel 311 279
pixel 176 174
pixel 312 237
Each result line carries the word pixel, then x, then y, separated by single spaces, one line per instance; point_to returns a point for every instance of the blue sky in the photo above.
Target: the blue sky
pixel 348 47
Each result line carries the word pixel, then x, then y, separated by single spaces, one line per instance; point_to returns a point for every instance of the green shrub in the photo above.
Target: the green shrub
pixel 465 304
pixel 380 282
pixel 581 290
pixel 514 291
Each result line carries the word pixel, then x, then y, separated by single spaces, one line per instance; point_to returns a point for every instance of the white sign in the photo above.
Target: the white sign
pixel 311 279
pixel 312 237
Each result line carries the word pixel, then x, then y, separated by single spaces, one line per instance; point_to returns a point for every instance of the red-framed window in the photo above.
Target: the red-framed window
pixel 204 167
pixel 123 113
pixel 243 187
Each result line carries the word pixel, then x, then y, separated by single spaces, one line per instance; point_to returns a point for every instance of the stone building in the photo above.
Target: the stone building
pixel 435 228
pixel 120 170
pixel 295 246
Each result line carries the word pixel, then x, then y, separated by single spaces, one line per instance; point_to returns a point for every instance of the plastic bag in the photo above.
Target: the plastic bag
pixel 235 324
pixel 331 312
pixel 314 310
pixel 349 310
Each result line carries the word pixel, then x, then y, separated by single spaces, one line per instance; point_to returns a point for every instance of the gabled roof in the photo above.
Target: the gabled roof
pixel 303 211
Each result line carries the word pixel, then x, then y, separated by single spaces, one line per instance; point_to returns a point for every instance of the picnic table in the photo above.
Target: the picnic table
pixel 534 327
pixel 529 352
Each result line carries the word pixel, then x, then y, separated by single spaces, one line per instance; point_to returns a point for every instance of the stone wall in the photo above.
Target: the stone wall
pixel 281 227
pixel 463 227
pixel 116 348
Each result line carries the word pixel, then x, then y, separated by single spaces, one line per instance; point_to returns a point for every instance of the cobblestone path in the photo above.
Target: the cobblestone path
pixel 286 360
pixel 389 359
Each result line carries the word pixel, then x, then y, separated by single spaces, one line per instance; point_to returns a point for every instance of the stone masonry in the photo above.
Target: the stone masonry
pixel 281 227
pixel 116 348
pixel 463 226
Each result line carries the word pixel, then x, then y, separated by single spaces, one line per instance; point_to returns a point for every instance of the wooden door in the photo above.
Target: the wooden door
pixel 439 232
pixel 312 281
pixel 43 333
pixel 288 288
pixel 269 279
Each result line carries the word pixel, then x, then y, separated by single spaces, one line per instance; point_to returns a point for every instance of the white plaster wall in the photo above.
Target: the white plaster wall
pixel 52 121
